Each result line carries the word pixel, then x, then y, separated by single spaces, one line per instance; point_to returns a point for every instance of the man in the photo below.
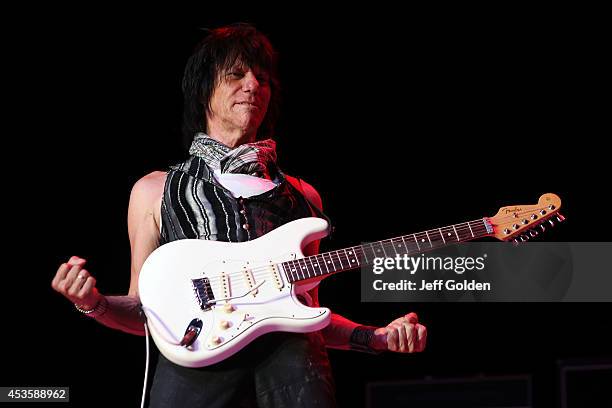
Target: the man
pixel 230 189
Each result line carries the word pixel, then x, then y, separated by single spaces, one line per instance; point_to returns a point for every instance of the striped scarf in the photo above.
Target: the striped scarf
pixel 255 159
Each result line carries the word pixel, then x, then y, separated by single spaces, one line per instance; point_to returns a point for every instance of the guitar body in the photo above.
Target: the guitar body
pixel 238 291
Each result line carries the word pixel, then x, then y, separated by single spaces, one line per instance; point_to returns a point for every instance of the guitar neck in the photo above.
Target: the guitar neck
pixel 313 267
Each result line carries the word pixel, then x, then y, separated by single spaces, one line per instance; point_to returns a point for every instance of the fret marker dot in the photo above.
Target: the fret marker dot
pixel 422 239
pixel 449 234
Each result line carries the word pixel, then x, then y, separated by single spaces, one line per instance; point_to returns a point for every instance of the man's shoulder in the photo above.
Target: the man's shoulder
pixel 152 179
pixel 309 191
pixel 150 186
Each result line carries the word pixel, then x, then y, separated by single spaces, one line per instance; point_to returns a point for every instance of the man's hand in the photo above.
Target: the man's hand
pixel 76 284
pixel 404 335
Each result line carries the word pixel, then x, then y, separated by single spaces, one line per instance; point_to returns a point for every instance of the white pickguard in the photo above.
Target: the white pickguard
pixel 262 300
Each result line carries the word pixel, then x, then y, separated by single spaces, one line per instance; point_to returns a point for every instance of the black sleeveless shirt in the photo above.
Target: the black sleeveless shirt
pixel 195 206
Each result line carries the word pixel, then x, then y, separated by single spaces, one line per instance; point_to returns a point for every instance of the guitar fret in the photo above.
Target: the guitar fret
pixel 339 259
pixel 417 242
pixel 348 261
pixel 324 263
pixel 430 244
pixel 363 253
pixel 356 256
pixel 377 252
pixel 347 255
pixel 420 237
pixel 311 265
pixel 399 244
pixel 293 270
pixel 442 235
pixel 405 245
pixel 354 260
pixel 382 247
pixel 288 271
pixel 393 246
pixel 317 265
pixel 458 239
pixel 331 256
pixel 294 273
pixel 464 231
pixel 471 232
pixel 328 263
pixel 299 269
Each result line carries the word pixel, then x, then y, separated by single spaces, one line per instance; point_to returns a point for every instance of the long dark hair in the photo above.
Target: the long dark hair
pixel 219 51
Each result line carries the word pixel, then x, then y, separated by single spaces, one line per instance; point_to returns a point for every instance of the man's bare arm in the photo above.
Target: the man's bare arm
pixel 75 283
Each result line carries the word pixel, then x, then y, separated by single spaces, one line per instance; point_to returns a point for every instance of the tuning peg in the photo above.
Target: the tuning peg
pixel 551 222
pixel 524 238
pixel 515 242
pixel 560 217
pixel 533 233
pixel 542 227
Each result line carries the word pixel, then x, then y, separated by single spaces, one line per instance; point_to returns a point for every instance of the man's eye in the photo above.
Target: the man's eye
pixel 236 74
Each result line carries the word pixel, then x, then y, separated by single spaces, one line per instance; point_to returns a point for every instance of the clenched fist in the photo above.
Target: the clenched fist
pixel 76 284
pixel 404 335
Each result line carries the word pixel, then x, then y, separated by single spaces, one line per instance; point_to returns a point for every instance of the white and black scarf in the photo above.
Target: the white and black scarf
pixel 255 159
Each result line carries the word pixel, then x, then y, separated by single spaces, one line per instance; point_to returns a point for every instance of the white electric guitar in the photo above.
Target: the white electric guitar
pixel 206 300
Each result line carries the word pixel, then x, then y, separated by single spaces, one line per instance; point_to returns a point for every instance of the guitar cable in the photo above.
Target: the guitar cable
pixel 144 387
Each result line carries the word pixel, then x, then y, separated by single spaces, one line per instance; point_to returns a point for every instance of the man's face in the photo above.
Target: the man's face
pixel 239 101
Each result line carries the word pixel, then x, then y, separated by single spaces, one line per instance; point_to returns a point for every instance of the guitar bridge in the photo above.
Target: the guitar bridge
pixel 203 292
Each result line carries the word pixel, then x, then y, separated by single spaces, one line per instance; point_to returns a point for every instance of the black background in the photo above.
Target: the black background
pixel 402 120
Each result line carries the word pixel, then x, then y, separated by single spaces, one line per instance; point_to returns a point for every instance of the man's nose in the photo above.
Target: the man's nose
pixel 250 82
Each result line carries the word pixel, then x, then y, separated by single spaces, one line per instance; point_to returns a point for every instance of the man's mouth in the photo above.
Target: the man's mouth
pixel 252 104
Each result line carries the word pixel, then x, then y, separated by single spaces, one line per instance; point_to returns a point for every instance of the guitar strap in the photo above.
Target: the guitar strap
pixel 297 183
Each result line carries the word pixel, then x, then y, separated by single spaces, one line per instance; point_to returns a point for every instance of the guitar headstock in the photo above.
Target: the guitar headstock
pixel 519 222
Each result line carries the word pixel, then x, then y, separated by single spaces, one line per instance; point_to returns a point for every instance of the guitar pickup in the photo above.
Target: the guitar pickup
pixel 203 292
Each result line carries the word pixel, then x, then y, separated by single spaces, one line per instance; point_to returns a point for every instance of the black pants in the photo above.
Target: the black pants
pixel 276 370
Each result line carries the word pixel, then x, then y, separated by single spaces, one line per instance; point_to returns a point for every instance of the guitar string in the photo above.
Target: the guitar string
pixel 390 241
pixel 338 257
